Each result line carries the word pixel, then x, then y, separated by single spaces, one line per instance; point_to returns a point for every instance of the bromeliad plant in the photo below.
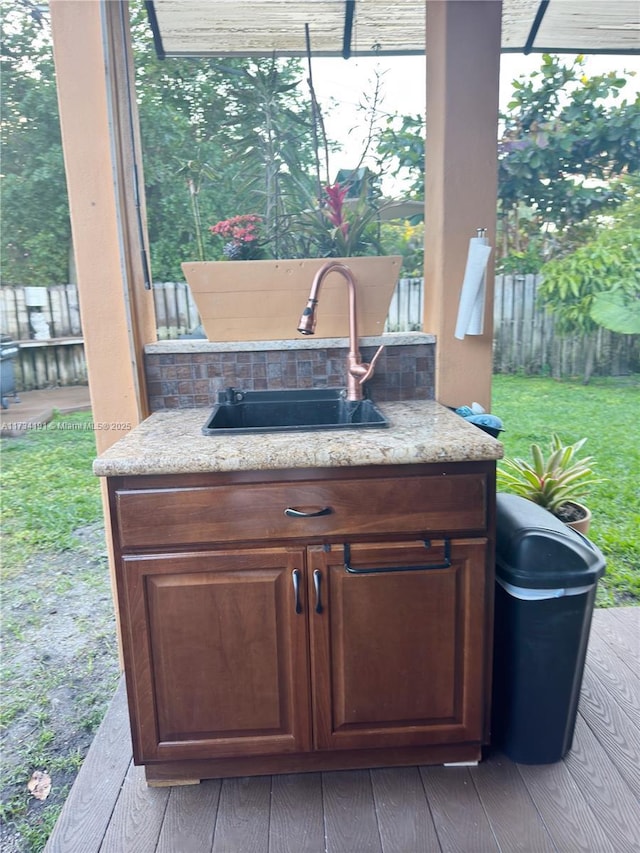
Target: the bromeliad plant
pixel 561 478
pixel 337 226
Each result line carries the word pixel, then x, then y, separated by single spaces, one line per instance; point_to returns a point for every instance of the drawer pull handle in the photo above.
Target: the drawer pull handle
pixel 295 577
pixel 317 575
pixel 300 513
pixel 445 564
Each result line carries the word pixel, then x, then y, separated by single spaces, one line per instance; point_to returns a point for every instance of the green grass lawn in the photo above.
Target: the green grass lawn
pixel 607 411
pixel 48 488
pixel 59 664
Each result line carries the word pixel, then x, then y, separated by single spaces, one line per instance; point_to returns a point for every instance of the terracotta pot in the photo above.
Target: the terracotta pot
pixel 580 524
pixel 263 300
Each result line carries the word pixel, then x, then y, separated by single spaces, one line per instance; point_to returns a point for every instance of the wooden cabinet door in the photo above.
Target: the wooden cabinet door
pixel 216 653
pixel 397 657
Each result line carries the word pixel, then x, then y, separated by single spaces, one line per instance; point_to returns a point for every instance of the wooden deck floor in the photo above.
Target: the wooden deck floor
pixel 590 801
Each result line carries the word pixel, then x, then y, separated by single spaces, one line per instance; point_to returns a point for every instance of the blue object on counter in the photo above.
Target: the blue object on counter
pixel 490 424
pixel 486 420
pixel 464 411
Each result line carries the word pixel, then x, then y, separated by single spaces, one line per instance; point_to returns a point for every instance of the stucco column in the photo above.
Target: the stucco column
pixel 463 70
pixel 91 48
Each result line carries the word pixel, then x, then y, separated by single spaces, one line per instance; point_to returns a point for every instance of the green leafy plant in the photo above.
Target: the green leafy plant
pixel 610 261
pixel 334 226
pixel 337 226
pixel 598 283
pixel 551 482
pixel 618 310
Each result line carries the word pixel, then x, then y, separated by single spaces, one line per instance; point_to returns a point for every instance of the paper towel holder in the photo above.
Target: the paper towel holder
pixel 471 308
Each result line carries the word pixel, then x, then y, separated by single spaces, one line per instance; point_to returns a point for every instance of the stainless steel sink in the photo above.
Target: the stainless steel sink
pixel 278 411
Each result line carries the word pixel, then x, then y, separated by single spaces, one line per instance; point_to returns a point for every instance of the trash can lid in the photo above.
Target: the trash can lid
pixel 535 550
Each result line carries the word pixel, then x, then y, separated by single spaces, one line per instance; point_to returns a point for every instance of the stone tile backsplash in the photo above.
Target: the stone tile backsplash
pixel 183 374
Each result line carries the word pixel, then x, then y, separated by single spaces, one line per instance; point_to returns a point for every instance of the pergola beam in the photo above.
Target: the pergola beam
pixel 349 11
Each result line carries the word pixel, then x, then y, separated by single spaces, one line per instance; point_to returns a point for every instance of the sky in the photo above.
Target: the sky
pixel 404 86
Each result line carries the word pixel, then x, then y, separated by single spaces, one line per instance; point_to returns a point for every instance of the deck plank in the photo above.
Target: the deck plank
pixel 137 818
pixel 587 802
pixel 404 818
pixel 350 816
pixel 190 818
pixel 85 817
pixel 564 810
pixel 628 616
pixel 613 728
pixel 243 815
pixel 620 628
pixel 458 815
pixel 621 682
pixel 614 804
pixel 297 818
pixel 513 817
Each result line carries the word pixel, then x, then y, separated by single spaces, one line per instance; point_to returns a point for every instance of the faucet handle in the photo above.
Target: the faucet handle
pixel 370 368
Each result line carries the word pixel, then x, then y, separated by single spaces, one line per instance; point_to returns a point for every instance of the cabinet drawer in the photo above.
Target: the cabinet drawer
pixel 445 503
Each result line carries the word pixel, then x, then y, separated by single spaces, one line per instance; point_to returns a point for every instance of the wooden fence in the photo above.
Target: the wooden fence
pixel 46 323
pixel 176 312
pixel 525 338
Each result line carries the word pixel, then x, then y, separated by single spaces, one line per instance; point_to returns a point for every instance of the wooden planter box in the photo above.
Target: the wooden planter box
pixel 263 300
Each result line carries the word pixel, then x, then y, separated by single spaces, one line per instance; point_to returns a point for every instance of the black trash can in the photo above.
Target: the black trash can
pixel 8 352
pixel 546 579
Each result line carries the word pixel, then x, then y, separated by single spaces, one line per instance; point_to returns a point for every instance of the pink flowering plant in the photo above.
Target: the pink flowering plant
pixel 242 236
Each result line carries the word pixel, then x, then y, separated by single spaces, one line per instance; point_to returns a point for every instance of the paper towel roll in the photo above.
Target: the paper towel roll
pixel 471 308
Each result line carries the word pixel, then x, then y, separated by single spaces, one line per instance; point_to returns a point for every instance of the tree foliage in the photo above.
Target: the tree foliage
pixel 400 151
pixel 605 271
pixel 34 216
pixel 598 284
pixel 567 137
pixel 223 138
pixel 220 138
pixel 565 140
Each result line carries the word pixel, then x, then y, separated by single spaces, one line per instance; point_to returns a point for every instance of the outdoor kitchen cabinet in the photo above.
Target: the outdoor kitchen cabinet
pixel 307 619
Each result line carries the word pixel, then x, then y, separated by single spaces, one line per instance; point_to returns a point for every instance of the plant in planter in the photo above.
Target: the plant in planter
pixel 333 227
pixel 337 226
pixel 242 236
pixel 558 482
pixel 306 219
pixel 261 299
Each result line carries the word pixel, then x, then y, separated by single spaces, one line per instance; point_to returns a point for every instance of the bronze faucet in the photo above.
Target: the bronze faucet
pixel 357 371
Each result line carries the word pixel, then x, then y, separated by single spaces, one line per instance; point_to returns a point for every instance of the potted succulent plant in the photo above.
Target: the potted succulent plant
pixel 558 482
pixel 261 298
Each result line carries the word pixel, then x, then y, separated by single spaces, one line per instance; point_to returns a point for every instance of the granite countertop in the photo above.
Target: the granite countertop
pixel 171 442
pixel 202 345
